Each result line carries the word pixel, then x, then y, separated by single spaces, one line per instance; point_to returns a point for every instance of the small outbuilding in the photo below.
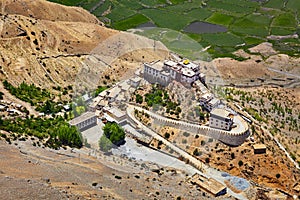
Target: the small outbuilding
pixel 259 149
pixel 209 185
pixel 114 114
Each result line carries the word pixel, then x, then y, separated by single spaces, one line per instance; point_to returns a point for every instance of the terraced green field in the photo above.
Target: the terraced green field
pixel 247 22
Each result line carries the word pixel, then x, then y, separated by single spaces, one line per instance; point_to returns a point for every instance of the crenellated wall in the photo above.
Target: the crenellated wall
pixel 231 138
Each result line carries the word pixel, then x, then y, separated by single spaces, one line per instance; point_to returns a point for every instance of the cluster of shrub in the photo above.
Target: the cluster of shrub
pixel 54 132
pixel 159 97
pixel 41 98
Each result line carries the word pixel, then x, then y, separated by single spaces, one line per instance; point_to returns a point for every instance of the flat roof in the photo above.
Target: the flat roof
pixel 81 118
pixel 158 65
pixel 259 146
pixel 103 93
pixel 188 72
pixel 116 112
pixel 120 98
pixel 188 64
pixel 86 97
pixel 124 85
pixel 214 101
pixel 207 96
pixel 208 184
pixel 114 92
pixel 103 102
pixel 136 79
pixel 220 112
pixel 170 63
pixel 97 99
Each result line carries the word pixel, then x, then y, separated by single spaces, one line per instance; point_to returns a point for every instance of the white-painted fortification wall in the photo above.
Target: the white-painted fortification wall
pixel 235 139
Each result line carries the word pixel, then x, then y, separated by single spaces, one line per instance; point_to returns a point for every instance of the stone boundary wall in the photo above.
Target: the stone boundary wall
pixel 227 137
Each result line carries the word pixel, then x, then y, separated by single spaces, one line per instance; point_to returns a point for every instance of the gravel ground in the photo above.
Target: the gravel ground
pixel 133 150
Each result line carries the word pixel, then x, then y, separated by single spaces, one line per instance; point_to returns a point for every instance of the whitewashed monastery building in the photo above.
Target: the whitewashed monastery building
pixel 163 72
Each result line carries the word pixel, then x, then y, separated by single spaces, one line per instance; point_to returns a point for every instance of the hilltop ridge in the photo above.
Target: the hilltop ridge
pixel 45 10
pixel 48 44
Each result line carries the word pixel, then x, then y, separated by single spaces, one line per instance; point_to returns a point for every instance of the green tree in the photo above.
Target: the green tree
pixel 167 135
pixel 99 90
pixel 69 135
pixel 105 144
pixel 138 98
pixel 114 132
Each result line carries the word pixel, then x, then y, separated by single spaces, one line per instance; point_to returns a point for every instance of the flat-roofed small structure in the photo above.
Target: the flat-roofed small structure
pixel 113 93
pixel 115 114
pixel 67 107
pixel 134 82
pixel 125 86
pixel 208 101
pixel 209 184
pixel 87 98
pixel 259 149
pixel 202 77
pixel 200 86
pixel 84 121
pixel 221 119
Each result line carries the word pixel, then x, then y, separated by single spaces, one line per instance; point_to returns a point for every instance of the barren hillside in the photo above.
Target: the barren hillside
pixel 44 10
pixel 49 44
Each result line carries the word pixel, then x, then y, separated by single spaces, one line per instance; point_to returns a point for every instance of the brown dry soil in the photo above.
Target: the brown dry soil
pixel 255 69
pixel 29 172
pixel 240 161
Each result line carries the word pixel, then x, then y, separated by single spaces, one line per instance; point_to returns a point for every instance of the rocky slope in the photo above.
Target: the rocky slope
pixel 50 44
pixel 44 10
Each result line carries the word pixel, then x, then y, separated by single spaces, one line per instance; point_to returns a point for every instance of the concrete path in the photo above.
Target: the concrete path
pixel 193 161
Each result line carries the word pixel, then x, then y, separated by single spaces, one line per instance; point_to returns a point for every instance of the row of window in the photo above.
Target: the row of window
pixel 86 123
pixel 216 120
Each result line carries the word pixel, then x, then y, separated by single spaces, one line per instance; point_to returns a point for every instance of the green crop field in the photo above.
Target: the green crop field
pixel 222 39
pixel 128 22
pixel 285 20
pixel 293 5
pixel 219 18
pixel 246 21
pixel 275 4
pixel 281 31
